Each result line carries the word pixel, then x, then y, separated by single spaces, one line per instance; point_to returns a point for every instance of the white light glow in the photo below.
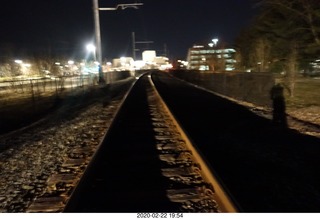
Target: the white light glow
pixel 91 48
pixel 139 64
pixel 215 41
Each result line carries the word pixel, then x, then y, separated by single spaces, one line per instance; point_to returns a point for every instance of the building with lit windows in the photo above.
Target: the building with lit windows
pixel 211 58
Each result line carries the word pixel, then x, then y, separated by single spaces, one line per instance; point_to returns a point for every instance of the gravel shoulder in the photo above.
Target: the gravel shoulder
pixel 33 157
pixel 305 120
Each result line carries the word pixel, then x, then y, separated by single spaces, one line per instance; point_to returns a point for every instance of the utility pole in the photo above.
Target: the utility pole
pixel 133 46
pixel 134 42
pixel 98 40
pixel 96 10
pixel 165 50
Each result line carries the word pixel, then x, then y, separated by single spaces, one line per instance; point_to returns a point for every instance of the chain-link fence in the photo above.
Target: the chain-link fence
pixel 245 86
pixel 50 86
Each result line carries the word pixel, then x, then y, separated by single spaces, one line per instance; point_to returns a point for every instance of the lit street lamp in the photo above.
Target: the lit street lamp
pixel 98 33
pixel 18 61
pixel 215 41
pixel 92 48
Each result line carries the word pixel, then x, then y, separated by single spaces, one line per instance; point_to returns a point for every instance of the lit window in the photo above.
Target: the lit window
pixel 204 67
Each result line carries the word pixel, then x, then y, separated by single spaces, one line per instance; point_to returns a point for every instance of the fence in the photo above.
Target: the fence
pixel 245 86
pixel 26 88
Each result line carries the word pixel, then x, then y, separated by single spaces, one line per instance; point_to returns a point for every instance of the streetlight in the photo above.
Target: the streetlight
pixel 215 41
pixel 92 48
pixel 18 61
pixel 98 33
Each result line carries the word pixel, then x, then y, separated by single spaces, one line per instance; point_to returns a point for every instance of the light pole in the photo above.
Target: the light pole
pixel 98 33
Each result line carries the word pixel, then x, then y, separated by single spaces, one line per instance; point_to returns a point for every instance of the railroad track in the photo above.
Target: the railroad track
pixel 146 163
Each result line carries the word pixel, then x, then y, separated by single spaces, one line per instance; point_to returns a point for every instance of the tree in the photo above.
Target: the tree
pixel 292 69
pixel 305 15
pixel 286 35
pixel 261 54
pixel 244 48
pixel 295 21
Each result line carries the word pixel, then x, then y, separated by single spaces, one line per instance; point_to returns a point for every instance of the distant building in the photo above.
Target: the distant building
pixel 179 64
pixel 211 58
pixel 148 56
pixel 123 63
pixel 152 61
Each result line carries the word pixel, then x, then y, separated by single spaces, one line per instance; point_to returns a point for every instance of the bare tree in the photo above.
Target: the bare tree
pixel 261 56
pixel 239 65
pixel 306 13
pixel 291 70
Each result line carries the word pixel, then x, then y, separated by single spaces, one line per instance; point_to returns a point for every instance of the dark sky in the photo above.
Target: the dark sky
pixel 65 26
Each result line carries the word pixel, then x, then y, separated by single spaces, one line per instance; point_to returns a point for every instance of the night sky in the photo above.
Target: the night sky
pixel 65 26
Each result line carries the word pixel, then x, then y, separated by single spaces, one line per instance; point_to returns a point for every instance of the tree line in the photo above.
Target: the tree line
pixel 284 37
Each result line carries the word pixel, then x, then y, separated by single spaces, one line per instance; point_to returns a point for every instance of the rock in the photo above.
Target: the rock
pixel 27 187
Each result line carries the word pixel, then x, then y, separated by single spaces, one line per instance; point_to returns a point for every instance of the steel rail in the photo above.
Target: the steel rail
pixel 224 201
